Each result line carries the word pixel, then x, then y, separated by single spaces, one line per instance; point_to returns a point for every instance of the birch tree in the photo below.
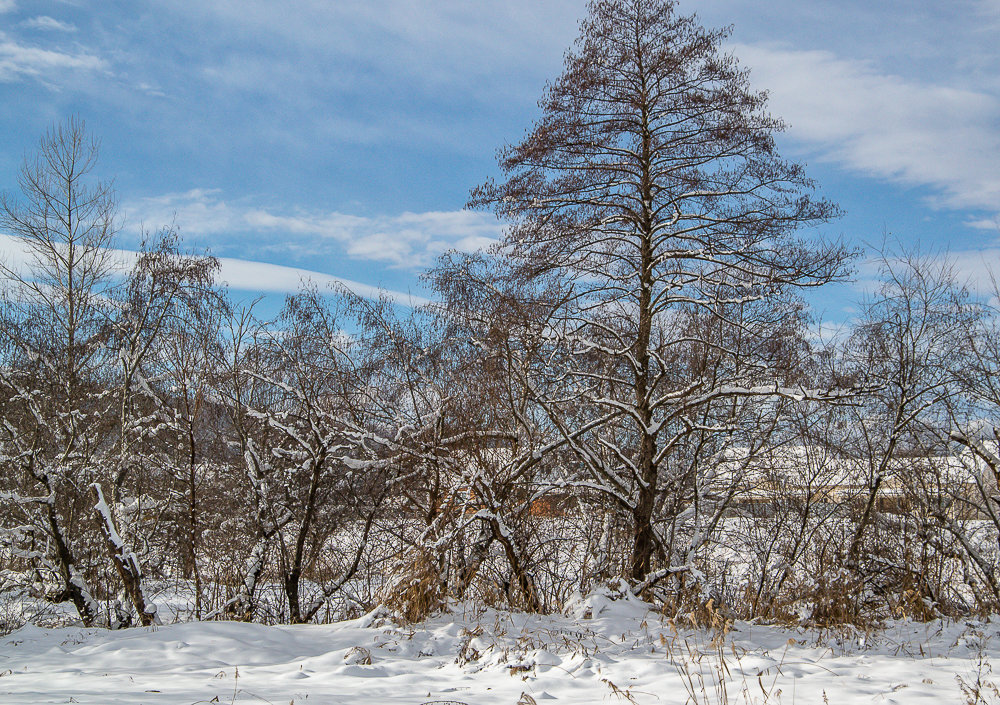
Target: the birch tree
pixel 163 288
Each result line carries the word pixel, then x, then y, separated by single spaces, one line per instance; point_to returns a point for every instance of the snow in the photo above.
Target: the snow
pixel 606 648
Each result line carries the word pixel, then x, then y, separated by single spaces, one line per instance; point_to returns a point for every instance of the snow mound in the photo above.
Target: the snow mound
pixel 608 647
pixel 608 601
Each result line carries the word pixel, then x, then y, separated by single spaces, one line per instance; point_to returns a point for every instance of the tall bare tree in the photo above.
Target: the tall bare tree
pixel 652 188
pixel 54 329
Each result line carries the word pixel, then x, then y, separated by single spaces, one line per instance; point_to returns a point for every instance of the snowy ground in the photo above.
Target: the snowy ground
pixel 601 652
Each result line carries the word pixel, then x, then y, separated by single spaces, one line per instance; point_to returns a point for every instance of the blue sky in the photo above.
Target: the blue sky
pixel 343 137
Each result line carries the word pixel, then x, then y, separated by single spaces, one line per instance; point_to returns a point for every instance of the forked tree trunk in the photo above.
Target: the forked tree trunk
pixel 244 604
pixel 293 574
pixel 477 555
pixel 73 583
pixel 519 568
pixel 74 586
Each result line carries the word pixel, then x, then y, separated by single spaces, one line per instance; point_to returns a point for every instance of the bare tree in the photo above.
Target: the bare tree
pixel 492 323
pixel 54 329
pixel 321 377
pixel 908 351
pixel 240 392
pixel 300 393
pixel 651 188
pixel 162 289
pixel 189 351
pixel 965 500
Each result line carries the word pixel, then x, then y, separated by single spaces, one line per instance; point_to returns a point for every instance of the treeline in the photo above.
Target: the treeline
pixel 625 391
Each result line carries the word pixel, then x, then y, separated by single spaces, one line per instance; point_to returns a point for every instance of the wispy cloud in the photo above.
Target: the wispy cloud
pixel 422 41
pixel 198 212
pixel 245 275
pixel 424 75
pixel 977 268
pixel 992 224
pixel 7 6
pixel 19 61
pixel 48 24
pixel 238 274
pixel 886 126
pixel 406 240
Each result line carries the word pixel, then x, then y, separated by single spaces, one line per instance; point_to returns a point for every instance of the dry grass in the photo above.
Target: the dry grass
pixel 418 590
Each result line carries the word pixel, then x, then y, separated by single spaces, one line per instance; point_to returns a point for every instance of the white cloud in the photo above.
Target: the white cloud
pixel 48 24
pixel 246 275
pixel 238 274
pixel 12 254
pixel 886 126
pixel 985 224
pixel 7 6
pixel 407 240
pixel 18 61
pixel 197 212
pixel 977 268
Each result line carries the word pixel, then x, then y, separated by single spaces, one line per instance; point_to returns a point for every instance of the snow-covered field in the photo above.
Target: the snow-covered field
pixel 601 651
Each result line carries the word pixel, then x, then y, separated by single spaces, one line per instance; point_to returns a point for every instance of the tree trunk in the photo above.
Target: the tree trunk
pixel 480 549
pixel 125 561
pixel 294 573
pixel 192 542
pixel 244 604
pixel 73 583
pixel 525 583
